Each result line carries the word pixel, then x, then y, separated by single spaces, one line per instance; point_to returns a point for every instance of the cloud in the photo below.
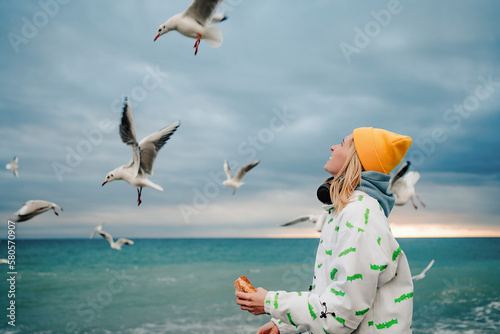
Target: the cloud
pixel 75 71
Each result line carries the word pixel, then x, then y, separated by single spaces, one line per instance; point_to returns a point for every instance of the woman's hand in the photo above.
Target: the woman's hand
pixel 252 302
pixel 269 328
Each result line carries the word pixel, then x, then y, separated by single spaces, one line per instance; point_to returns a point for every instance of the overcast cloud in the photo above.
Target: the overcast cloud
pixel 291 79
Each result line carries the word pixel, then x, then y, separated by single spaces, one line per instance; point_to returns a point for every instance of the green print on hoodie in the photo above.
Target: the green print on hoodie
pixel 366 265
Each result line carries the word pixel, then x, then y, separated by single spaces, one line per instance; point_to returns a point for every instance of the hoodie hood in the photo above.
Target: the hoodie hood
pixel 376 185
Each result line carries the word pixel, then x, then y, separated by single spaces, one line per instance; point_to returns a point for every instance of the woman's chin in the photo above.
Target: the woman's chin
pixel 328 170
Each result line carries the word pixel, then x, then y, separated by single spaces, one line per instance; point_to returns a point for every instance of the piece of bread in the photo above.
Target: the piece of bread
pixel 242 284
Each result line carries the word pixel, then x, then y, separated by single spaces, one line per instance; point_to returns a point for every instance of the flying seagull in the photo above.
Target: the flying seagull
pixel 317 220
pixel 422 274
pixel 32 208
pixel 403 186
pixel 115 245
pixel 13 166
pixel 235 181
pixel 195 22
pixel 143 153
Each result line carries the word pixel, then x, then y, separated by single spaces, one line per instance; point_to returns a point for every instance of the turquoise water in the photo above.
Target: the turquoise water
pixel 186 285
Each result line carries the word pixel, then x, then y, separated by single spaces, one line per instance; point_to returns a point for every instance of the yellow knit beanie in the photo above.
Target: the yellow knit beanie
pixel 380 150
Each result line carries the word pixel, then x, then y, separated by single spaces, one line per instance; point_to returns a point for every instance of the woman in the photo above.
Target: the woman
pixel 362 281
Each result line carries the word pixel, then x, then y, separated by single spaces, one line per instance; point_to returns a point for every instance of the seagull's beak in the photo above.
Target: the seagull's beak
pixel 156 37
pixel 104 183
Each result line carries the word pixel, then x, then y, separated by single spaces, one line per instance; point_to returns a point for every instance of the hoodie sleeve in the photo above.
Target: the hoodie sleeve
pixel 355 265
pixel 286 328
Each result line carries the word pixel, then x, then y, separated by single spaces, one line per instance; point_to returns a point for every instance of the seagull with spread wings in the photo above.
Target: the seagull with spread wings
pixel 235 181
pixel 317 220
pixel 33 208
pixel 143 153
pixel 403 186
pixel 13 166
pixel 115 245
pixel 195 22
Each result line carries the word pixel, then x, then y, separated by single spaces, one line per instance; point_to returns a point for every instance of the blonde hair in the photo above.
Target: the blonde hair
pixel 346 180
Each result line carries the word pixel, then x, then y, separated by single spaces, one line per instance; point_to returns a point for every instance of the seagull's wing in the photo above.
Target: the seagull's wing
pixel 298 220
pixel 98 228
pixel 150 146
pixel 227 170
pixel 245 169
pixel 202 10
pixel 411 178
pixel 399 188
pixel 428 266
pixel 106 236
pixel 127 134
pixel 32 208
pixel 320 221
pixel 422 274
pixel 127 126
pixel 399 174
pixel 123 241
pixel 14 166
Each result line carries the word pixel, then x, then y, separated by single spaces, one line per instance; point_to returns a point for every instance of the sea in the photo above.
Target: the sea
pixel 186 285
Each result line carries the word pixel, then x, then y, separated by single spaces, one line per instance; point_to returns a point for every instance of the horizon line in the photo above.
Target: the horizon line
pixel 250 238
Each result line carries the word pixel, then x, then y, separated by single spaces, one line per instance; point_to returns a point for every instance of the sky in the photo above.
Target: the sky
pixel 291 79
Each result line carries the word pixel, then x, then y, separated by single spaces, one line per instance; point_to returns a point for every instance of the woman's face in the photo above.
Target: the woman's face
pixel 338 156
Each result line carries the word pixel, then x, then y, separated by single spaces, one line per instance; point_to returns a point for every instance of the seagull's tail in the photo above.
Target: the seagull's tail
pixel 148 183
pixel 154 186
pixel 213 36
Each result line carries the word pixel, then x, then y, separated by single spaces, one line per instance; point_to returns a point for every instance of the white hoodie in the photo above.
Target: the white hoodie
pixel 362 281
